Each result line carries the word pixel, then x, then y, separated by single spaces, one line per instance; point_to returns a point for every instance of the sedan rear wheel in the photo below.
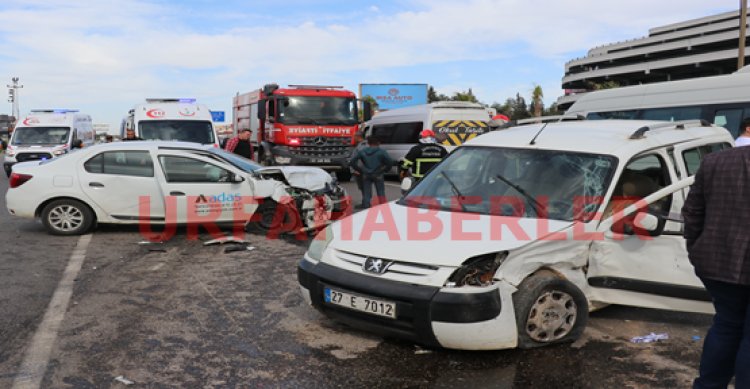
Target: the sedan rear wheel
pixel 67 217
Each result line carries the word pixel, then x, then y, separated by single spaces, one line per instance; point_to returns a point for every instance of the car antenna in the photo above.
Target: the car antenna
pixel 533 140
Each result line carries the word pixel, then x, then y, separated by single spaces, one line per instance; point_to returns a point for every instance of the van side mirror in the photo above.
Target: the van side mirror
pixel 367 108
pixel 406 184
pixel 642 223
pixel 262 109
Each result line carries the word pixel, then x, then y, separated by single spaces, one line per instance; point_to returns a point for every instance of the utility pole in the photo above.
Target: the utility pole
pixel 743 31
pixel 13 96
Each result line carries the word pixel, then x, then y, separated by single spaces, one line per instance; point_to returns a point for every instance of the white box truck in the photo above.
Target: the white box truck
pixel 47 133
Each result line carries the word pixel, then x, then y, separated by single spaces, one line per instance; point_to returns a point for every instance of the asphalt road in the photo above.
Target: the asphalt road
pixel 181 314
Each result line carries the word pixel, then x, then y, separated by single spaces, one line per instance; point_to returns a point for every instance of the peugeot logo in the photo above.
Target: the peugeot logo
pixel 320 141
pixel 376 265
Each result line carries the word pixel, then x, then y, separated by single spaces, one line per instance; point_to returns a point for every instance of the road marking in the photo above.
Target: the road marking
pixel 36 358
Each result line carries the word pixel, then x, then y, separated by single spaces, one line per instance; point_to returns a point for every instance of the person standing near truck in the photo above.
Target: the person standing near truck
pixel 423 156
pixel 374 163
pixel 240 144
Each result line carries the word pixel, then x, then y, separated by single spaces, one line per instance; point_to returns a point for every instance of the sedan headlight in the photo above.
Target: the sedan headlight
pixel 320 243
pixel 477 271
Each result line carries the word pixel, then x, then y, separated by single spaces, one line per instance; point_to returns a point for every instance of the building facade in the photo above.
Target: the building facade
pixel 695 48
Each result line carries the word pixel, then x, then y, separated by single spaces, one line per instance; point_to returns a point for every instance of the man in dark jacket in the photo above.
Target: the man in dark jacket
pixel 241 144
pixel 374 163
pixel 717 218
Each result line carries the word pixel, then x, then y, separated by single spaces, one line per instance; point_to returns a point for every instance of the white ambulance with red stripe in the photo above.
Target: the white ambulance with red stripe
pixel 180 119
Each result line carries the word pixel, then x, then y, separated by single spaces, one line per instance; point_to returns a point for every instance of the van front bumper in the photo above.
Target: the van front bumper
pixel 418 307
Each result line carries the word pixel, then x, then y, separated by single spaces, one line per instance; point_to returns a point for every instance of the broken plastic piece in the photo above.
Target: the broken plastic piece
pixel 239 247
pixel 652 337
pixel 696 338
pixel 224 239
pixel 420 351
pixel 124 380
pixel 148 242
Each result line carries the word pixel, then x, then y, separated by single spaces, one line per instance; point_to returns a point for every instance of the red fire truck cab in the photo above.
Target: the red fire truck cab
pixel 300 125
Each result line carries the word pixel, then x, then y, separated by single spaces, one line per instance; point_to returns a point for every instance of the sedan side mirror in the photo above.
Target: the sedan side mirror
pixel 236 178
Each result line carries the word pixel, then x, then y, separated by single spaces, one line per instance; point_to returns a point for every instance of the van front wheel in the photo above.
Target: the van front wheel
pixel 549 310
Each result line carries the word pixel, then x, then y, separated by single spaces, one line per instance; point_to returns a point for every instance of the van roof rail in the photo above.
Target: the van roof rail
pixel 681 125
pixel 549 119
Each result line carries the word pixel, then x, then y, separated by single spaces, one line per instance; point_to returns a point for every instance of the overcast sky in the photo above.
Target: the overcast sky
pixel 103 57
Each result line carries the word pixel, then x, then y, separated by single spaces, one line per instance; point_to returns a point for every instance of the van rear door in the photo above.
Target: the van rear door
pixel 455 127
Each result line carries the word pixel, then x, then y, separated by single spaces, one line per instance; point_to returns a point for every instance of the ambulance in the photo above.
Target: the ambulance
pixel 47 133
pixel 171 119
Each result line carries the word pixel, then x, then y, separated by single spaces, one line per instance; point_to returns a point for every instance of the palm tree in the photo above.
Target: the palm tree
pixel 536 98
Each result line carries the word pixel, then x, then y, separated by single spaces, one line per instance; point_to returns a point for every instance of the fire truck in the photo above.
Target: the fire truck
pixel 309 125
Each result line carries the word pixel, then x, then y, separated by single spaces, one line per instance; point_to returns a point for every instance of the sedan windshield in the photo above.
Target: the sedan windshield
pixel 318 110
pixel 183 130
pixel 234 159
pixel 516 182
pixel 23 136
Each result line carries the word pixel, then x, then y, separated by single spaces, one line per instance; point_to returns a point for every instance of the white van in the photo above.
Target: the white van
pixel 171 119
pixel 722 100
pixel 454 123
pixel 47 133
pixel 509 243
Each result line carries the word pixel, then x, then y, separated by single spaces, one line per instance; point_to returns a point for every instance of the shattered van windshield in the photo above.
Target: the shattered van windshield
pixel 549 184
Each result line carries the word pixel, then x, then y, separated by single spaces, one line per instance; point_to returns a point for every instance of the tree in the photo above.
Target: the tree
pixel 536 101
pixel 433 96
pixel 373 106
pixel 465 96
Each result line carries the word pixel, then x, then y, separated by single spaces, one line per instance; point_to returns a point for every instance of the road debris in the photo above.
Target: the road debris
pixel 238 247
pixel 124 380
pixel 148 242
pixel 652 337
pixel 420 351
pixel 224 239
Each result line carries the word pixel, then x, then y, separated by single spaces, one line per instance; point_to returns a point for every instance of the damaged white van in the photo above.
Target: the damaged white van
pixel 518 234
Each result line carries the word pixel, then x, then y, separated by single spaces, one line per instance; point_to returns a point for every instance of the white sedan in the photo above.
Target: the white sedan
pixel 170 183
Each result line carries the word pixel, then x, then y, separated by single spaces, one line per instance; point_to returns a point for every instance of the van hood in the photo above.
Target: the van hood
pixel 396 232
pixel 305 177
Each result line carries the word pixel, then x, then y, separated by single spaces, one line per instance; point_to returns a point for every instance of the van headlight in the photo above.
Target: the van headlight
pixel 320 243
pixel 477 271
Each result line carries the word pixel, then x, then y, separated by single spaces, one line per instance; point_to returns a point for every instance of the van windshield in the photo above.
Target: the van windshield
pixel 548 184
pixel 181 130
pixel 24 136
pixel 318 110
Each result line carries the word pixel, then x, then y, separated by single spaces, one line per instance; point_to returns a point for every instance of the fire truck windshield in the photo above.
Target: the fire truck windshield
pixel 318 110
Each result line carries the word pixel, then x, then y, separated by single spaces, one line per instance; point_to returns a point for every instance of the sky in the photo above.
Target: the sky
pixel 103 57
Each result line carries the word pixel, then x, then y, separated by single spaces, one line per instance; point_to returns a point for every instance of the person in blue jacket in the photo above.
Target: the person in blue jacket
pixel 372 162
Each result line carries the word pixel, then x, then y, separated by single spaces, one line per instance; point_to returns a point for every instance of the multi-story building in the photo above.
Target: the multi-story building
pixel 695 48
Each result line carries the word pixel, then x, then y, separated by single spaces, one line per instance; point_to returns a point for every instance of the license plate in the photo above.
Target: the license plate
pixel 360 303
pixel 321 160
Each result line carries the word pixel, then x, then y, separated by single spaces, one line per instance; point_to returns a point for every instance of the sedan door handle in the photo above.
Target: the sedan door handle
pixel 96 185
pixel 176 193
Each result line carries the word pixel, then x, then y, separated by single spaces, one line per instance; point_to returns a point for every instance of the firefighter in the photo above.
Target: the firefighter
pixel 423 156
